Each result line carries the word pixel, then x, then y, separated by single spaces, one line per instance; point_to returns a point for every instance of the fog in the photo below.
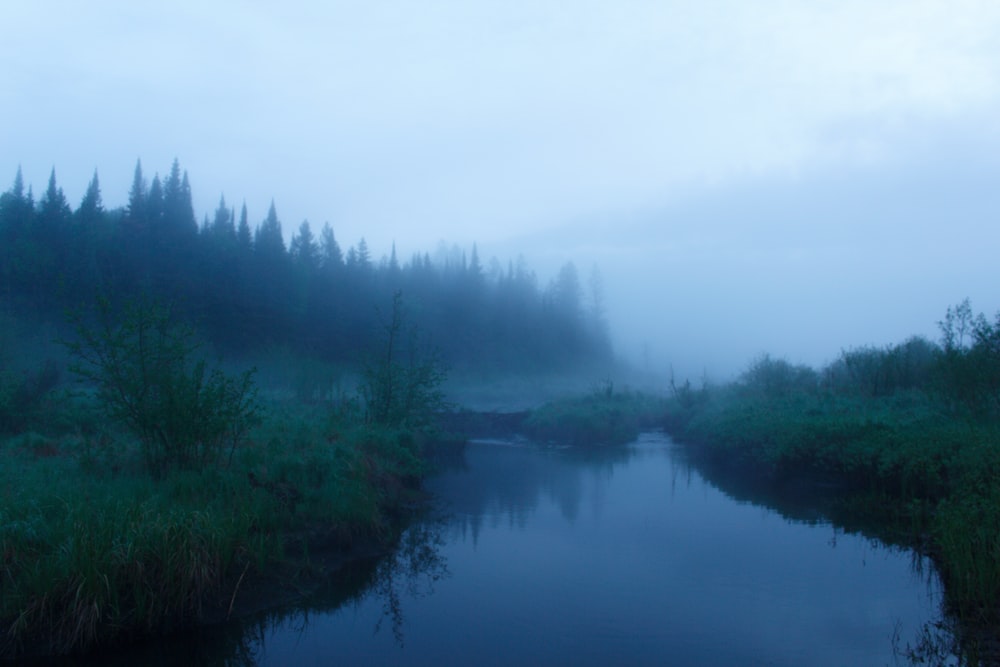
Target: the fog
pixel 794 179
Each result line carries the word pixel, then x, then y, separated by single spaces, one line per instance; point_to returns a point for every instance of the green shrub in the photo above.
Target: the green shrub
pixel 145 375
pixel 400 386
pixel 777 377
pixel 602 417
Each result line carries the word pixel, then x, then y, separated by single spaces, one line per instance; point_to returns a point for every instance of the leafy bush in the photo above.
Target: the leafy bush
pixel 777 377
pixel 876 371
pixel 602 417
pixel 970 361
pixel 401 387
pixel 141 365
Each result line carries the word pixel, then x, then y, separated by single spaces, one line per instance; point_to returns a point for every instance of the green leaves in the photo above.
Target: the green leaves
pixel 140 363
pixel 401 387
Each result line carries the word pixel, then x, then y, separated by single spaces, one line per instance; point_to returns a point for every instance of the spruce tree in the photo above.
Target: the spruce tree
pixel 91 206
pixel 244 239
pixel 269 243
pixel 136 209
pixel 331 259
pixel 304 250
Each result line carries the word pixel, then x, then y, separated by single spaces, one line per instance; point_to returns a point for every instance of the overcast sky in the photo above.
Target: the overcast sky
pixel 787 176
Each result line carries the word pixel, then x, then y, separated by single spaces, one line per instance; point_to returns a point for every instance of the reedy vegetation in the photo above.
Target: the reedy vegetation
pixel 915 426
pixel 135 527
pixel 602 417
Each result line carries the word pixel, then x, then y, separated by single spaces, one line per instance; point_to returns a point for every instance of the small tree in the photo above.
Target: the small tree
pixel 970 361
pixel 399 386
pixel 775 378
pixel 142 367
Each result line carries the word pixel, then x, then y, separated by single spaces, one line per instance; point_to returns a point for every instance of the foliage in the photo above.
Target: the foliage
pixel 776 377
pixel 915 424
pixel 970 361
pixel 400 387
pixel 141 366
pixel 601 417
pixel 96 556
pixel 883 371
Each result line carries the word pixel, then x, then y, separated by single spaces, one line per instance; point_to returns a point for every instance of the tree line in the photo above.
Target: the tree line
pixel 247 290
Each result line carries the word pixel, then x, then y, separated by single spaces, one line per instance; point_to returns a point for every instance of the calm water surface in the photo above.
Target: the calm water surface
pixel 599 557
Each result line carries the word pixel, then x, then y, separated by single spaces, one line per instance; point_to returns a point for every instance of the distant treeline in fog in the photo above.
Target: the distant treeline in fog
pixel 236 279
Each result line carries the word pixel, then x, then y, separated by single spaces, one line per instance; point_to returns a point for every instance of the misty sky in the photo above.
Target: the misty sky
pixel 788 176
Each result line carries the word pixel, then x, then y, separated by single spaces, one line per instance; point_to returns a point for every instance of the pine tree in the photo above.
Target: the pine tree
pixel 54 212
pixel 136 210
pixel 154 204
pixel 17 212
pixel 91 206
pixel 82 262
pixel 393 262
pixel 304 250
pixel 178 211
pixel 474 271
pixel 221 230
pixel 363 256
pixel 269 242
pixel 16 209
pixel 331 259
pixel 244 239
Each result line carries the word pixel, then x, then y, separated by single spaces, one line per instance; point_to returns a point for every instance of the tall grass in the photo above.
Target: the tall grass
pixel 93 555
pixel 936 472
pixel 601 417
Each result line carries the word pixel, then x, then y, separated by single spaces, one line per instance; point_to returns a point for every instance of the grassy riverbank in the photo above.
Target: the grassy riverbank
pixel 602 417
pixel 145 495
pixel 94 550
pixel 927 467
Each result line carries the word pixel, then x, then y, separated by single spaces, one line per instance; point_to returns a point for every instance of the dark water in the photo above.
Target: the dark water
pixel 598 557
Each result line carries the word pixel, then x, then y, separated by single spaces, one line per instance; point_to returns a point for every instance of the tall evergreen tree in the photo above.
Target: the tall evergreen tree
pixel 17 212
pixel 54 211
pixel 136 209
pixel 393 265
pixel 331 259
pixel 304 250
pixel 154 204
pixel 88 235
pixel 221 231
pixel 91 206
pixel 16 208
pixel 269 242
pixel 178 211
pixel 244 238
pixel 364 256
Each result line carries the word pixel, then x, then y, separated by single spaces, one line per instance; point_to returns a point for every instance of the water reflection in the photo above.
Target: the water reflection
pixel 599 556
pixel 940 642
pixel 411 571
pixel 505 481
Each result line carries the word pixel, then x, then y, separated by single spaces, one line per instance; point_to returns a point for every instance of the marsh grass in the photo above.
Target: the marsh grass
pixel 602 417
pixel 94 550
pixel 936 475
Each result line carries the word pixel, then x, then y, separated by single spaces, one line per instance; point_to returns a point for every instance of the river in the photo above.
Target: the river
pixel 628 556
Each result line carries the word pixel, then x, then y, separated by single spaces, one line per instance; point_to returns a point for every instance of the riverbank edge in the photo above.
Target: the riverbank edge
pixel 899 522
pixel 303 559
pixel 313 557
